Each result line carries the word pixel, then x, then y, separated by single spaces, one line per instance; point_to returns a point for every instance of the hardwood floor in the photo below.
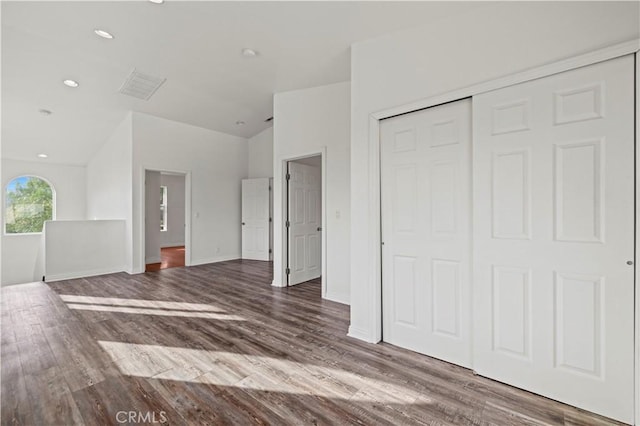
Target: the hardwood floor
pixel 216 344
pixel 171 257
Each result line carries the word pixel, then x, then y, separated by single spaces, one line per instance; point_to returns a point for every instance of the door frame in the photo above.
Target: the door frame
pixel 637 251
pixel 322 152
pixel 187 212
pixel 374 276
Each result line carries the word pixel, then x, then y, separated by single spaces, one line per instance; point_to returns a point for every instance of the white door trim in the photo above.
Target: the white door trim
pixel 374 333
pixel 187 215
pixel 322 152
pixel 637 254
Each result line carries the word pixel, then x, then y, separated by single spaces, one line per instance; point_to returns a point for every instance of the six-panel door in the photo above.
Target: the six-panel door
pixel 553 232
pixel 305 223
pixel 553 235
pixel 426 231
pixel 255 218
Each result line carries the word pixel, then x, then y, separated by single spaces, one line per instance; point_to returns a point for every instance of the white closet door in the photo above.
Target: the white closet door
pixel 426 231
pixel 255 219
pixel 305 223
pixel 553 232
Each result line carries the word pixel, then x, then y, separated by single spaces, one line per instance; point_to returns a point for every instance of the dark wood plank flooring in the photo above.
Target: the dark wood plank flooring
pixel 216 344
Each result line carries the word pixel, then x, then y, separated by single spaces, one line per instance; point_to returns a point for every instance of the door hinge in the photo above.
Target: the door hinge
pixel 270 251
pixel 270 219
pixel 269 188
pixel 288 176
pixel 287 224
pixel 288 271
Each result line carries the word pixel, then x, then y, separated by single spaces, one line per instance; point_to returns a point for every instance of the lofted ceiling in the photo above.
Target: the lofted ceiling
pixel 196 46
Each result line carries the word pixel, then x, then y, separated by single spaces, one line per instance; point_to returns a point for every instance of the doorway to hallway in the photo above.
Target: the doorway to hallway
pixel 170 257
pixel 166 217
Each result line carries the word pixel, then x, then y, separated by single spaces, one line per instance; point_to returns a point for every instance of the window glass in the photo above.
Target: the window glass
pixel 163 208
pixel 28 203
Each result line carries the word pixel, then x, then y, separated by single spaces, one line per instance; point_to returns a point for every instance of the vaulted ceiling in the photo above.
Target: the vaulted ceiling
pixel 196 46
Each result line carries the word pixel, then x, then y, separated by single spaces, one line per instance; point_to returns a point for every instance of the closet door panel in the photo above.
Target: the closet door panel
pixel 426 217
pixel 553 232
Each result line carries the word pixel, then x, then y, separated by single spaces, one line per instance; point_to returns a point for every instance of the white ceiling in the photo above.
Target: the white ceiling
pixel 195 45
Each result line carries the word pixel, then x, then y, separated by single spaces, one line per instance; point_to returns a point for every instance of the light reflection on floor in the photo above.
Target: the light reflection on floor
pixel 253 372
pixel 147 307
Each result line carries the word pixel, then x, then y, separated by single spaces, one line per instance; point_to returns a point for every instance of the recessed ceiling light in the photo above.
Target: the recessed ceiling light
pixel 240 123
pixel 42 155
pixel 103 33
pixel 71 83
pixel 249 53
pixel 45 111
pixel 157 1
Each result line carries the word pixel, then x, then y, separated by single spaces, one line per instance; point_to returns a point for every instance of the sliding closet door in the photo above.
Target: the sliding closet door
pixel 554 236
pixel 426 231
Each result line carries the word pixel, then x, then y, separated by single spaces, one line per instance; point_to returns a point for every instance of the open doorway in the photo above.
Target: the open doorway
pixel 165 220
pixel 303 221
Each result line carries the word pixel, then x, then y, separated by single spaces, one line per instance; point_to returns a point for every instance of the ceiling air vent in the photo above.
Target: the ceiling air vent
pixel 141 85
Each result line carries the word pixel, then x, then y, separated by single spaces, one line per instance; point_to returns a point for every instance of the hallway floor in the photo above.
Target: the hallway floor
pixel 172 257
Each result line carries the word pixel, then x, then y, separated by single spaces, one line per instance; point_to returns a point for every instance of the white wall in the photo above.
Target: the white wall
pixel 152 217
pixel 261 154
pixel 217 162
pixel 446 55
pixel 315 161
pixel 19 252
pixel 306 121
pixel 109 190
pixel 174 235
pixel 83 248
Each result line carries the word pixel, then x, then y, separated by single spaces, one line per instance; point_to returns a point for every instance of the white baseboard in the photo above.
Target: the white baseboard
pixel 213 260
pixel 173 244
pixel 360 334
pixel 82 274
pixel 277 284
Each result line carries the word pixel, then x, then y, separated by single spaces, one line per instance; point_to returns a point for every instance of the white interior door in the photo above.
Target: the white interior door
pixel 426 231
pixel 304 223
pixel 553 232
pixel 255 219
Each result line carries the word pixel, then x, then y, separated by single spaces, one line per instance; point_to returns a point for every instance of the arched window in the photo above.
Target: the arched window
pixel 29 201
